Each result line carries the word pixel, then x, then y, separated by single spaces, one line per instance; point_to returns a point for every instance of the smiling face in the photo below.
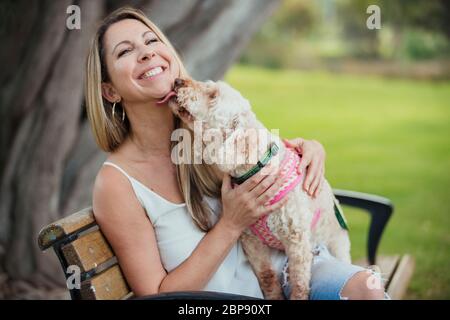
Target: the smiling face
pixel 140 67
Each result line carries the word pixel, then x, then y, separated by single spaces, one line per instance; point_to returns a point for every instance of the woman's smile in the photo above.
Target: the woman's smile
pixel 158 77
pixel 152 72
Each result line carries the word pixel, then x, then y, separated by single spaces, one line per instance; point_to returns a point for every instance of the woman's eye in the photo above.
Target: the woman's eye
pixel 151 40
pixel 121 53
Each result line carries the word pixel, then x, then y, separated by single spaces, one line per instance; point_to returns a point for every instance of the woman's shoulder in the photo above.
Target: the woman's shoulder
pixel 112 190
pixel 109 178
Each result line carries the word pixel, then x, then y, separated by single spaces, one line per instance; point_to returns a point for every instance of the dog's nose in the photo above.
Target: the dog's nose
pixel 178 83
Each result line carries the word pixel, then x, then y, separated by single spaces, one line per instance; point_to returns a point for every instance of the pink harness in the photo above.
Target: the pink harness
pixel 289 173
pixel 291 178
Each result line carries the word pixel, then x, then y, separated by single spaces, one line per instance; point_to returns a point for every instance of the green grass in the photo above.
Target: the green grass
pixel 384 136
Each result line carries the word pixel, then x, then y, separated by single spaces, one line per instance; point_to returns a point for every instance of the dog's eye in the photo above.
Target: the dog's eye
pixel 213 94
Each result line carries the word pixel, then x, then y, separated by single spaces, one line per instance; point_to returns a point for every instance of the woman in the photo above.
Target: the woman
pixel 156 214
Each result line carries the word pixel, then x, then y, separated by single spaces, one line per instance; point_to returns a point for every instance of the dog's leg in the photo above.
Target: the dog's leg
pixel 298 250
pixel 339 246
pixel 259 257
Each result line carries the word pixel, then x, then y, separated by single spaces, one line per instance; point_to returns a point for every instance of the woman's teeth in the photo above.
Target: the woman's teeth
pixel 153 72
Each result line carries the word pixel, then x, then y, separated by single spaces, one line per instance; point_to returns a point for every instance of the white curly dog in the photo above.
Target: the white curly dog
pixel 302 223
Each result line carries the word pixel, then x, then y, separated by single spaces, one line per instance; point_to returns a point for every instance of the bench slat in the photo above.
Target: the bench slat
pixel 402 276
pixel 396 271
pixel 387 266
pixel 88 251
pixel 109 285
pixel 65 226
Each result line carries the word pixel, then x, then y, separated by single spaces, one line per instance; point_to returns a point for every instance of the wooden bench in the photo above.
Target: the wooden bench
pixel 78 241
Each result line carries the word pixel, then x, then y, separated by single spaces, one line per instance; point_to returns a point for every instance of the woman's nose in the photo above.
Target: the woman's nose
pixel 146 55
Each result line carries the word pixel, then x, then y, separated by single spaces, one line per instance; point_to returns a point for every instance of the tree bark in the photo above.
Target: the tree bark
pixel 48 159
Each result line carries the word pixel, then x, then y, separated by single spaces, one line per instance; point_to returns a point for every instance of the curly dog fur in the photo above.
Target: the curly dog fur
pixel 219 106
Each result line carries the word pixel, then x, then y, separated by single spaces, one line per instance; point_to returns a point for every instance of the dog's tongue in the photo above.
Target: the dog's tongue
pixel 167 97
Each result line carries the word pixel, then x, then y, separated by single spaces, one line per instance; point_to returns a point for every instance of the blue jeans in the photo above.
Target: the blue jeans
pixel 328 276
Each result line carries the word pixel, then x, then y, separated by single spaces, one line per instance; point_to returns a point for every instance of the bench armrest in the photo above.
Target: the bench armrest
pixel 380 210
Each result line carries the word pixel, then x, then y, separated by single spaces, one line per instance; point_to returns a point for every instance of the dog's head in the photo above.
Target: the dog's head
pixel 218 106
pixel 215 104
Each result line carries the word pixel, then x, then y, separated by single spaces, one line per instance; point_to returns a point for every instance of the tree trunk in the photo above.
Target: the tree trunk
pixel 48 160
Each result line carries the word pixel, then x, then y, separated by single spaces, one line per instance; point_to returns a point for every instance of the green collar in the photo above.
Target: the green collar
pixel 273 150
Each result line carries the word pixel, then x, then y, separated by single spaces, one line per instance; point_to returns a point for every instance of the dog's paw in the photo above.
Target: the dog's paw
pixel 274 296
pixel 299 295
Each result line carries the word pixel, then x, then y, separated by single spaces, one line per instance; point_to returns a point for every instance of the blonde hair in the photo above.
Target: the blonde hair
pixel 195 181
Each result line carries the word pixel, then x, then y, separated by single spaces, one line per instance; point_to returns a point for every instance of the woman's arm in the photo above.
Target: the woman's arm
pixel 131 235
pixel 195 272
pixel 125 224
pixel 242 206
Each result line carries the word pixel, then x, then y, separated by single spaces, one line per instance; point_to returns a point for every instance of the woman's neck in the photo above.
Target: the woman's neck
pixel 151 128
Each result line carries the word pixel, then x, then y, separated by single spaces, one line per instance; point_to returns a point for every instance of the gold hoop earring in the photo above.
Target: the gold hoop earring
pixel 114 107
pixel 123 114
pixel 114 110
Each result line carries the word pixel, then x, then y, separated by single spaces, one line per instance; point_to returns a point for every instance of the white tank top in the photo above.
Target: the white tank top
pixel 177 237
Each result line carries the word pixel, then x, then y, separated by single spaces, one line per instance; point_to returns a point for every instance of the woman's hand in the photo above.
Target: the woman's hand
pixel 244 204
pixel 313 160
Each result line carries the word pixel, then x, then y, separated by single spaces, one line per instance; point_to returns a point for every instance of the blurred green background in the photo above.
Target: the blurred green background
pixel 378 100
